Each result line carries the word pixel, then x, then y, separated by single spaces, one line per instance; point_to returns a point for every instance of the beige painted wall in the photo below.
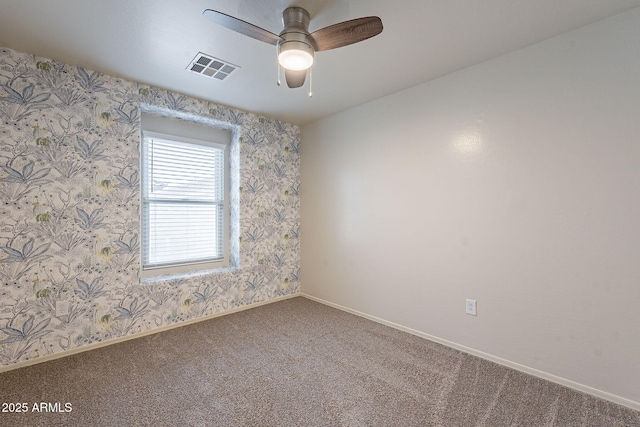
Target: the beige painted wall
pixel 515 182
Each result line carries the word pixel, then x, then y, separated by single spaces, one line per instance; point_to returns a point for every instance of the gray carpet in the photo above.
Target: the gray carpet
pixel 293 363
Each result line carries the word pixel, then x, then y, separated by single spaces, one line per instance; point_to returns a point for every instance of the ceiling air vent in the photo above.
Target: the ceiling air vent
pixel 211 67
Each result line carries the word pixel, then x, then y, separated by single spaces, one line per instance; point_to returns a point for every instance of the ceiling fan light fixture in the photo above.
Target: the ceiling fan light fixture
pixel 295 55
pixel 296 46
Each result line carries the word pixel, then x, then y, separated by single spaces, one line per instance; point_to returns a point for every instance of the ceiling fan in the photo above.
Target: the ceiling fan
pixel 296 46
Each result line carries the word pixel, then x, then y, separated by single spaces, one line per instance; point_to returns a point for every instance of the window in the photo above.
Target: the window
pixel 184 197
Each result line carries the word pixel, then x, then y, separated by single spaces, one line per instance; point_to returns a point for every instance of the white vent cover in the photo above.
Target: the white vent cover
pixel 211 67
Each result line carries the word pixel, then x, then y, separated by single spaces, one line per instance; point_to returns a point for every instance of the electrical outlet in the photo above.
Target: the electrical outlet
pixel 62 308
pixel 471 307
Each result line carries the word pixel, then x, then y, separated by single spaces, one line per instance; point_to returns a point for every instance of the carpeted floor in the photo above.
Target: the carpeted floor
pixel 293 363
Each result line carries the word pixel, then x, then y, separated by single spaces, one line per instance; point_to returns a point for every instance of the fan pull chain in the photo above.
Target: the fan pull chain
pixel 278 63
pixel 278 75
pixel 310 82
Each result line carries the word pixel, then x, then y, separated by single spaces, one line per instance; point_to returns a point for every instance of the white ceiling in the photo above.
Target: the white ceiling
pixel 153 42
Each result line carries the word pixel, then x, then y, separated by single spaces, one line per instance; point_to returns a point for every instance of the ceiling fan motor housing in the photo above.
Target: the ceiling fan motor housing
pixel 295 52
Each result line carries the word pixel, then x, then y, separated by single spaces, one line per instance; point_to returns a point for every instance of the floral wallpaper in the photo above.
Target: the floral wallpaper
pixel 69 227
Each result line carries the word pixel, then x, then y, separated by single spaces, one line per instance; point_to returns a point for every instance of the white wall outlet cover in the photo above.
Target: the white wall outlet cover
pixel 471 307
pixel 62 308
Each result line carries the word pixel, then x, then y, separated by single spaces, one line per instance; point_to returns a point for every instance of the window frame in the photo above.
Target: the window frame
pixel 177 130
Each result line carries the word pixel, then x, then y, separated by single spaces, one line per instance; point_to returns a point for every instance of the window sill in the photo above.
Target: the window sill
pixel 188 275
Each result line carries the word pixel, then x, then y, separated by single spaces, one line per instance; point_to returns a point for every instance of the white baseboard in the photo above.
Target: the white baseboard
pixel 518 367
pixel 105 343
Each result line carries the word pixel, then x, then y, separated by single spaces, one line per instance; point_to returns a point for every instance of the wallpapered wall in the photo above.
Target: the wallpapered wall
pixel 69 227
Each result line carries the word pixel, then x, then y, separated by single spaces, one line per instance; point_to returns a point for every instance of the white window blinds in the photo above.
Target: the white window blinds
pixel 183 201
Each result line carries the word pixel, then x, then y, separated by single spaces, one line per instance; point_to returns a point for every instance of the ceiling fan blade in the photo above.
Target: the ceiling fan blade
pixel 242 27
pixel 346 33
pixel 295 78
